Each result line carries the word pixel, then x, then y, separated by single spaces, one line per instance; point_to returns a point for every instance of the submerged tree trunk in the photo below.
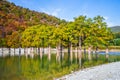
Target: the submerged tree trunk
pixel 38 51
pixel 19 63
pixel 68 53
pixel 80 56
pixel 2 52
pixel 32 52
pixel 49 53
pixel 96 52
pixel 80 51
pixel 63 52
pixel 76 54
pixel 89 54
pixel 84 53
pixel 41 53
pixel 61 59
pixel 71 53
pixel 107 56
pixel 26 52
pixel 9 51
pixel 14 51
pixel 58 53
pixel 19 51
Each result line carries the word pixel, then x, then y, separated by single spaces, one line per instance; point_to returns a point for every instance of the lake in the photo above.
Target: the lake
pixel 111 52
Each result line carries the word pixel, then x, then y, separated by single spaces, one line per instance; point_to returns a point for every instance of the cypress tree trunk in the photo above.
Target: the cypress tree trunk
pixel 89 53
pixel 61 54
pixel 80 57
pixel 9 51
pixel 32 52
pixel 107 56
pixel 2 52
pixel 43 57
pixel 84 52
pixel 38 51
pixel 26 52
pixel 19 63
pixel 80 51
pixel 76 54
pixel 96 52
pixel 41 53
pixel 71 52
pixel 58 53
pixel 68 53
pixel 14 51
pixel 19 51
pixel 49 53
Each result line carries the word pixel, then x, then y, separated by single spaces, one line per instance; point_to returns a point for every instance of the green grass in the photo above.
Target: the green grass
pixel 15 68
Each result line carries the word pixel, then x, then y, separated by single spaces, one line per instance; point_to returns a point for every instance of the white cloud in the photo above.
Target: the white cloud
pixel 53 12
pixel 106 18
pixel 56 12
pixel 110 24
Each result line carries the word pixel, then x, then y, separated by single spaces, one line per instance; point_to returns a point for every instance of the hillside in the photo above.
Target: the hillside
pixel 15 18
pixel 115 29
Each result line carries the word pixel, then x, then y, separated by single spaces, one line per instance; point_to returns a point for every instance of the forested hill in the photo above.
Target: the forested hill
pixel 115 29
pixel 14 18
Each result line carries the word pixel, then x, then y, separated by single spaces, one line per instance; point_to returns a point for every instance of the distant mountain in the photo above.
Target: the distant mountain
pixel 115 29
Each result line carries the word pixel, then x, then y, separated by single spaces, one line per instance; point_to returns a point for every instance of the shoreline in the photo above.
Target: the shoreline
pixel 110 71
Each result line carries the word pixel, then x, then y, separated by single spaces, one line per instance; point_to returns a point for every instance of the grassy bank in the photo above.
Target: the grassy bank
pixel 20 68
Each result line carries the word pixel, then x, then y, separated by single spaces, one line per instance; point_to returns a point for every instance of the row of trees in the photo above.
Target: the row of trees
pixel 81 34
pixel 20 27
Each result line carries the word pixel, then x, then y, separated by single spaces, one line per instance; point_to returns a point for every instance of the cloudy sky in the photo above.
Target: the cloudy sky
pixel 68 9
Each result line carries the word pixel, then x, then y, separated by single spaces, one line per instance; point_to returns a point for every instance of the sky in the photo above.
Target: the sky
pixel 69 9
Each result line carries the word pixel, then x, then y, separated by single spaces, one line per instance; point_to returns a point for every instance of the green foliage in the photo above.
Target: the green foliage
pixel 92 32
pixel 117 35
pixel 116 42
pixel 2 42
pixel 35 36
